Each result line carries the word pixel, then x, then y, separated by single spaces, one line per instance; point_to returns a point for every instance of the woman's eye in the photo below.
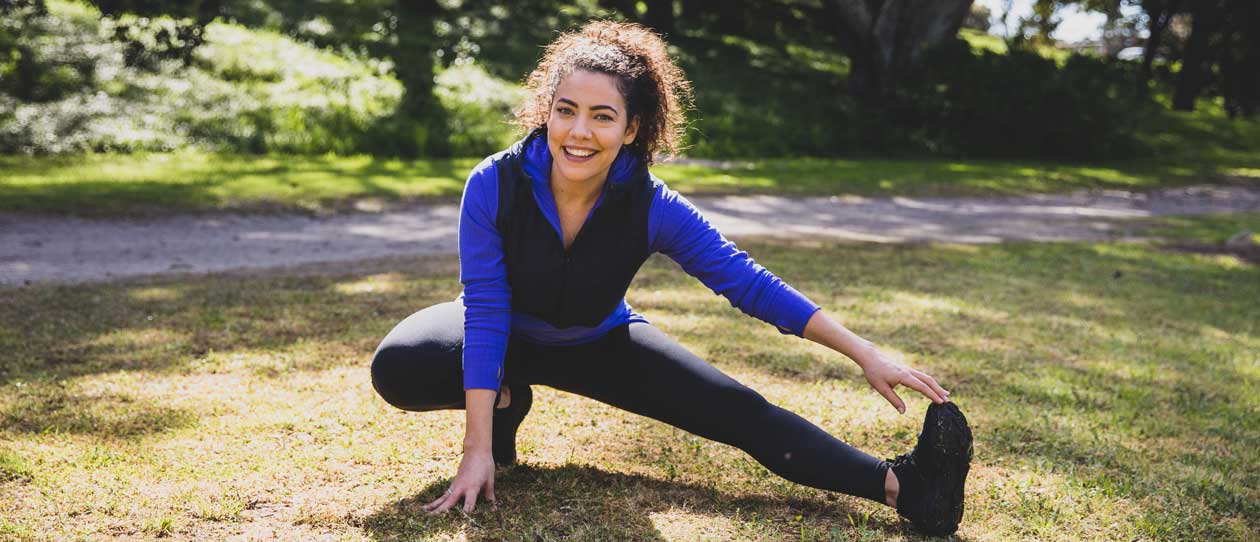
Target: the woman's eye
pixel 603 117
pixel 564 111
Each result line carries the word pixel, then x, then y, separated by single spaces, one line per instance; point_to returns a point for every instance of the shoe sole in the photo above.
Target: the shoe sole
pixel 950 453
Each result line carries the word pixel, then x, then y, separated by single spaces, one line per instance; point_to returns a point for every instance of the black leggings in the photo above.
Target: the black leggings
pixel 636 368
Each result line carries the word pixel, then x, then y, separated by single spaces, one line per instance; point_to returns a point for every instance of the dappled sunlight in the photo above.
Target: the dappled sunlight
pixel 1225 261
pixel 1031 500
pixel 384 283
pixel 1248 173
pixel 1097 306
pixel 155 293
pixel 128 343
pixel 681 524
pixel 1060 373
pixel 106 184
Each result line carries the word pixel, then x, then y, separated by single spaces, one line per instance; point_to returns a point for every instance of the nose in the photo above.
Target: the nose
pixel 581 129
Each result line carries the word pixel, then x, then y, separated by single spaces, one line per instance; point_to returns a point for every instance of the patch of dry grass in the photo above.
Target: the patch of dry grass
pixel 238 406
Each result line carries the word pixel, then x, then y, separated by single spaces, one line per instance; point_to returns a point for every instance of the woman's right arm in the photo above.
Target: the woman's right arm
pixel 487 321
pixel 476 469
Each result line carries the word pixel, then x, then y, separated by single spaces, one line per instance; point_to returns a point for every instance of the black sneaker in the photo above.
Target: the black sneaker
pixel 506 421
pixel 932 476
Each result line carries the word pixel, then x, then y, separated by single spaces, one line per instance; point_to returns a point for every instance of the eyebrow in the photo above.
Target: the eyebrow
pixel 593 107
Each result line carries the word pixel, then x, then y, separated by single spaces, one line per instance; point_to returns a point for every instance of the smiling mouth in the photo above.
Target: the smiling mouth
pixel 576 153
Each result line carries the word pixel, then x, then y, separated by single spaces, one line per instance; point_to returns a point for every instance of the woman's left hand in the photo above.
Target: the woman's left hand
pixel 884 374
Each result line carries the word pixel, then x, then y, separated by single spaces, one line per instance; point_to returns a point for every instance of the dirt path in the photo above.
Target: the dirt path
pixel 36 248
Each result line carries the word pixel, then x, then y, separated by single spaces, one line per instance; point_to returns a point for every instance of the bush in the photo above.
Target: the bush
pixel 755 101
pixel 66 85
pixel 245 90
pixel 1021 104
pixel 479 109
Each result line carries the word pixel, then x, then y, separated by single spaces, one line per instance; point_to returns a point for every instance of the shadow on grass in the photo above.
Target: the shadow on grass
pixel 167 324
pixel 1123 366
pixel 1070 355
pixel 55 410
pixel 583 502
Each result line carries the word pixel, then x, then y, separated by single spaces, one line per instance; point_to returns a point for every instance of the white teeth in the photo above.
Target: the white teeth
pixel 580 153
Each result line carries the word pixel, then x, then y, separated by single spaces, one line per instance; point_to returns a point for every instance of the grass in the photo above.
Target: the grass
pixel 1206 230
pixel 1105 405
pixel 121 184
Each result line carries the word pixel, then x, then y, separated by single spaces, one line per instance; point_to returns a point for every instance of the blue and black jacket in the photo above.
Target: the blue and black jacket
pixel 520 280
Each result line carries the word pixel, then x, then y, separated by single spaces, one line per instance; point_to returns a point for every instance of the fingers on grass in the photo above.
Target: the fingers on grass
pixel 470 501
pixel 436 503
pixel 442 504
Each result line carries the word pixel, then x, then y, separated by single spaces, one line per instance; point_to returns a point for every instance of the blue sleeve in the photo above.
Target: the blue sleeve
pixel 482 270
pixel 678 230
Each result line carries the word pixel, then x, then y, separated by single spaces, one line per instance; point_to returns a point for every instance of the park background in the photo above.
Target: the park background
pixel 1113 387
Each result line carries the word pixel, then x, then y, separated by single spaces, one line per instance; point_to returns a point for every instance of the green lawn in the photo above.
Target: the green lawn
pixel 116 184
pixel 1114 391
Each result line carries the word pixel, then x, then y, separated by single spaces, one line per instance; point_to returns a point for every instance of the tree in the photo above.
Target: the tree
pixel 1196 62
pixel 884 39
pixel 978 18
pixel 413 64
pixel 19 71
pixel 1240 62
pixel 1042 22
pixel 148 41
pixel 1160 14
pixel 1220 54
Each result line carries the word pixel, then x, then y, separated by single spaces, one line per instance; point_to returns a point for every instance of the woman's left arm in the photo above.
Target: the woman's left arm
pixel 677 229
pixel 882 372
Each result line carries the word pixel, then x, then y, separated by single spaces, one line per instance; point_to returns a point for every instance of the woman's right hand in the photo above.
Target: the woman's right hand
pixel 475 475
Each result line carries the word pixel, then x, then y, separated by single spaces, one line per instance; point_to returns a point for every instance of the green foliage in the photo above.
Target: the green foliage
pixel 150 41
pixel 761 100
pixel 300 77
pixel 80 88
pixel 972 98
pixel 1024 104
pixel 13 467
pixel 479 109
pixel 260 91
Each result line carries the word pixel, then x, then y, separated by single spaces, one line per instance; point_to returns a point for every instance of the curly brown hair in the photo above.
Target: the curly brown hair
pixel 653 87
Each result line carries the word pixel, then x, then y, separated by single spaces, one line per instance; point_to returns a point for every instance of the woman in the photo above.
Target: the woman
pixel 551 234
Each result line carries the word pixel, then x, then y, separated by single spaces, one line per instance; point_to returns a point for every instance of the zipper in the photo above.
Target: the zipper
pixel 564 281
pixel 566 264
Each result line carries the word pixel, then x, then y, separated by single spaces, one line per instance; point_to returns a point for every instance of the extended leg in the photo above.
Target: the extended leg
pixel 641 370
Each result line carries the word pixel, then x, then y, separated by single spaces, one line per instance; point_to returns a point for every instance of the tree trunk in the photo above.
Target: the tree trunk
pixel 1160 17
pixel 1240 59
pixel 884 39
pixel 1198 58
pixel 420 112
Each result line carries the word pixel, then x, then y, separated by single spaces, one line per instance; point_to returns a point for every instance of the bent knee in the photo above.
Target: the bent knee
pixel 388 367
pixel 411 378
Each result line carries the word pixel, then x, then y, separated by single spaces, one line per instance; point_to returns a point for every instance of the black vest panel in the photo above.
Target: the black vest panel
pixel 583 285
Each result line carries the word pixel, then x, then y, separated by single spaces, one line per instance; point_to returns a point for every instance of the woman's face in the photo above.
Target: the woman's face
pixel 587 127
